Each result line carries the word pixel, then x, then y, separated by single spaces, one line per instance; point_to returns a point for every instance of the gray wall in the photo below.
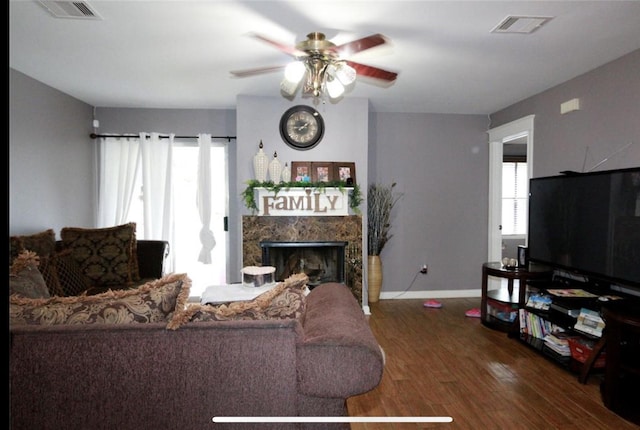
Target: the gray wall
pixel 50 158
pixel 440 165
pixel 440 162
pixel 608 119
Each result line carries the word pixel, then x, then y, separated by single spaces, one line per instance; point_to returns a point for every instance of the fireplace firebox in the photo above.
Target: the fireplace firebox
pixel 321 261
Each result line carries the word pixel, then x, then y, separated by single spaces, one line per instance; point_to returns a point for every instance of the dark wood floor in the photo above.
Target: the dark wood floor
pixel 441 363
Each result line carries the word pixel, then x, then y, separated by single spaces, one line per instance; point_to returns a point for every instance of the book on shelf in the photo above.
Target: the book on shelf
pixel 572 292
pixel 533 325
pixel 590 322
pixel 539 301
pixel 558 341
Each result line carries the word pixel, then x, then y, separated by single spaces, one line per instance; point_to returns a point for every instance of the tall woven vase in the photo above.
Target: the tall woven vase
pixel 374 277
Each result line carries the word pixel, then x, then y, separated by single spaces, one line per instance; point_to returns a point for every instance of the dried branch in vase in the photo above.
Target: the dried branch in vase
pixel 380 201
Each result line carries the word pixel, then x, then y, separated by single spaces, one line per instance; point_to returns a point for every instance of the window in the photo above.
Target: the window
pixel 187 220
pixel 514 198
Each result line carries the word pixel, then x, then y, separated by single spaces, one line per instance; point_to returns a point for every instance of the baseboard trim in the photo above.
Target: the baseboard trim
pixel 442 294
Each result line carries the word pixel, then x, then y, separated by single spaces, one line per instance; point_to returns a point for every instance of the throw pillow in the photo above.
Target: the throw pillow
pixel 70 277
pixel 152 302
pixel 285 300
pixel 107 256
pixel 42 243
pixel 24 277
pixel 57 271
pixel 50 275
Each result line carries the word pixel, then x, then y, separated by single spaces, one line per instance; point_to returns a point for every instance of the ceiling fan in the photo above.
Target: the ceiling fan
pixel 322 65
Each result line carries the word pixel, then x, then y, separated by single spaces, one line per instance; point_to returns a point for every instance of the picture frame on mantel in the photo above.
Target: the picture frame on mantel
pixel 321 172
pixel 301 171
pixel 345 172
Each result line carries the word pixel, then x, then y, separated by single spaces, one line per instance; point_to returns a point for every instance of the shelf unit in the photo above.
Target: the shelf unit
pixel 534 324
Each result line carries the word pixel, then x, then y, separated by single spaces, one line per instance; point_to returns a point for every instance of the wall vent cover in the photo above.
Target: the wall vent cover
pixel 70 9
pixel 521 24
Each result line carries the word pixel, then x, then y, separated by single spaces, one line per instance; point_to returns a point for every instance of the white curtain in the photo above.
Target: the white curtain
pixel 122 161
pixel 118 162
pixel 157 188
pixel 204 198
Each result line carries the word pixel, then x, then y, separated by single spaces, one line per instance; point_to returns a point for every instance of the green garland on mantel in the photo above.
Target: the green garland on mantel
pixel 355 196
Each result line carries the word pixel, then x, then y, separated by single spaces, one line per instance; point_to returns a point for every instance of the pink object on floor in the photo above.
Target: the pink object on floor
pixel 472 313
pixel 432 304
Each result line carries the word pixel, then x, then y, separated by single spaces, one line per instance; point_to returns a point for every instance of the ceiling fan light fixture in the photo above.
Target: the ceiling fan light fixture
pixel 320 68
pixel 294 72
pixel 345 74
pixel 289 88
pixel 316 76
pixel 334 88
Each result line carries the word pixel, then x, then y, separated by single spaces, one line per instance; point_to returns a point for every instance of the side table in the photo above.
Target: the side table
pixel 509 299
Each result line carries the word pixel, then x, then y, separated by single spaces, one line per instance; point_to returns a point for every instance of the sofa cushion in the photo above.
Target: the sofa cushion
pixel 24 277
pixel 154 301
pixel 42 243
pixel 107 256
pixel 285 300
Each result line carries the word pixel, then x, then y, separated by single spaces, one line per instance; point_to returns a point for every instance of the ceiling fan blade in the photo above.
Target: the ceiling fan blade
pixel 291 50
pixel 350 48
pixel 256 71
pixel 373 72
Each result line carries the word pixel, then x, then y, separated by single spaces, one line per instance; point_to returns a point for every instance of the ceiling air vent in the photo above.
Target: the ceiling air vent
pixel 521 24
pixel 70 9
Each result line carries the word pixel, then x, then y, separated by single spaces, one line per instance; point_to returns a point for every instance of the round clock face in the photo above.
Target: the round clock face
pixel 301 127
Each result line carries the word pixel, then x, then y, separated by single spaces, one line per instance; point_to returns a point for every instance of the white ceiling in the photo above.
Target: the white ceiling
pixel 178 54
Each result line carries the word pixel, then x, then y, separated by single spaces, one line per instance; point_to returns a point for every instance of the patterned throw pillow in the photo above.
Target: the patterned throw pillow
pixel 24 277
pixel 43 244
pixel 107 256
pixel 286 300
pixel 152 302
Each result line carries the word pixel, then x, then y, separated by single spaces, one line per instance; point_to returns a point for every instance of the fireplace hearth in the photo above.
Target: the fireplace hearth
pixel 321 261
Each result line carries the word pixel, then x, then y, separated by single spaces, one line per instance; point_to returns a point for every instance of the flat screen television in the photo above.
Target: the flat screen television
pixel 588 224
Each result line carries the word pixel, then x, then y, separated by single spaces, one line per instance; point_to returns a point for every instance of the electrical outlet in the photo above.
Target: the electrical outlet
pixel 424 269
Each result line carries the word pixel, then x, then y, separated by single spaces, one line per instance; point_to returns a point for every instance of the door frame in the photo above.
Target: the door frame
pixel 498 136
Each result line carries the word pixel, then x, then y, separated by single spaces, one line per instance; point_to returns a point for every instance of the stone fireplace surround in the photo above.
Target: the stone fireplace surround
pixel 256 229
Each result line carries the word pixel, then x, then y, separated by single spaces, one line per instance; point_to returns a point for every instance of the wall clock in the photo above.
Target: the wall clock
pixel 301 127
